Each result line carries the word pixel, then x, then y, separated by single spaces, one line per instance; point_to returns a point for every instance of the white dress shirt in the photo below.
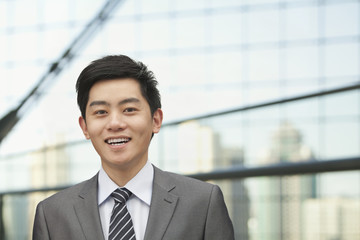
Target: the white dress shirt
pixel 138 204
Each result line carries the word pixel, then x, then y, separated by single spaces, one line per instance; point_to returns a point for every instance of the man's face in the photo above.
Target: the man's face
pixel 119 124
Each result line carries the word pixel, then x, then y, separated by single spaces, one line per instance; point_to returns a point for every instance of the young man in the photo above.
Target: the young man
pixel 120 112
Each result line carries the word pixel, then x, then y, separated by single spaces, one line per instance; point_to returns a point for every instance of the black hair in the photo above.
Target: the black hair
pixel 114 67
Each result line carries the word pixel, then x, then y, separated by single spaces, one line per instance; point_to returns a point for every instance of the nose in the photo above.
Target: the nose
pixel 116 122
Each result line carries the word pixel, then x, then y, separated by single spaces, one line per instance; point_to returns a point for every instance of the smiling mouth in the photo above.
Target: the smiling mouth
pixel 117 141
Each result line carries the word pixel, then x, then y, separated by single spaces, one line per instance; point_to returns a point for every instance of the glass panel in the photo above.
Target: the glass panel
pixel 4 21
pixel 263 65
pixel 226 28
pixel 189 32
pixel 301 62
pixel 226 68
pixel 342 60
pixel 121 37
pixel 336 134
pixel 254 2
pixel 339 24
pixel 334 105
pixel 262 92
pixel 55 11
pixel 25 46
pixel 263 26
pixel 224 3
pixel 151 41
pixel 149 6
pixel 301 23
pixel 53 49
pixel 189 5
pixel 26 12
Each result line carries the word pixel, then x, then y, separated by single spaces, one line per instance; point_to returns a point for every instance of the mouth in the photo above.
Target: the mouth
pixel 117 141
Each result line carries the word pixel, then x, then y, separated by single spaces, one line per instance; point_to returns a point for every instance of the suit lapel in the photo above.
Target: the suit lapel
pixel 163 204
pixel 86 209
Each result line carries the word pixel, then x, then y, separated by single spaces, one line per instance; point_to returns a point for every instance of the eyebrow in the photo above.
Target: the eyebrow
pixel 122 102
pixel 95 103
pixel 129 100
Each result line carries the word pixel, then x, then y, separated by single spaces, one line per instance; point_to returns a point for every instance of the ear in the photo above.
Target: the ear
pixel 157 120
pixel 83 127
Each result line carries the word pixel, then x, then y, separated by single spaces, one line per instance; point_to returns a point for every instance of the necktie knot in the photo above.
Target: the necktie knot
pixel 121 195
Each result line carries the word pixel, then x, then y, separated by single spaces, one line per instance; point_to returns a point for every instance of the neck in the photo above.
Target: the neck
pixel 121 175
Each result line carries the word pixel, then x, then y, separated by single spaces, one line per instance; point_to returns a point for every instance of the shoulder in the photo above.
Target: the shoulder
pixel 195 197
pixel 183 184
pixel 69 194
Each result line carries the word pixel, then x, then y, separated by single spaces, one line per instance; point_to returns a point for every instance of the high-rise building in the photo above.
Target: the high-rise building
pixel 331 219
pixel 280 212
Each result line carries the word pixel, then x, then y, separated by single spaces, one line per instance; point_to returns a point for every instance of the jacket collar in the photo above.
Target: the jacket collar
pixel 87 211
pixel 163 204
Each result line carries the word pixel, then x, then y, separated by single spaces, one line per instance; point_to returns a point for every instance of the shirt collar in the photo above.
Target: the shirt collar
pixel 140 185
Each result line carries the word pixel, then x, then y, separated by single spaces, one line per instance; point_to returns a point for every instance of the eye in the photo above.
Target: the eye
pixel 130 110
pixel 101 112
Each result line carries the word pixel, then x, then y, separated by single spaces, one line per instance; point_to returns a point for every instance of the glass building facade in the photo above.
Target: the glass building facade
pixel 209 56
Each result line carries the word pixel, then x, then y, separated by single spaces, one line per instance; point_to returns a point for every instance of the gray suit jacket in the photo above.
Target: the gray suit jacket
pixel 181 208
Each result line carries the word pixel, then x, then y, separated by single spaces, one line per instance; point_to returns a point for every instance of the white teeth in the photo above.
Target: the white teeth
pixel 117 141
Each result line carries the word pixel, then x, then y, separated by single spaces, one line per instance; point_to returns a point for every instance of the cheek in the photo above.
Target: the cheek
pixel 144 128
pixel 94 130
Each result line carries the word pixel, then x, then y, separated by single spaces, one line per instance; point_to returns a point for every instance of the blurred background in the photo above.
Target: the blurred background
pixel 263 96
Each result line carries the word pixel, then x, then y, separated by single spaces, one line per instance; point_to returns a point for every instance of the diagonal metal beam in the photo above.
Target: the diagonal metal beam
pixel 268 103
pixel 8 122
pixel 313 166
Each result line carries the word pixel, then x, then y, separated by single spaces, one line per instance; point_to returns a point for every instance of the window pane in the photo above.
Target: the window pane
pixel 263 26
pixel 339 24
pixel 341 60
pixel 301 23
pixel 301 62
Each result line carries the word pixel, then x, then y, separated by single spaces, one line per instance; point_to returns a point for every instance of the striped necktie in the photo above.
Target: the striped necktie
pixel 121 226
